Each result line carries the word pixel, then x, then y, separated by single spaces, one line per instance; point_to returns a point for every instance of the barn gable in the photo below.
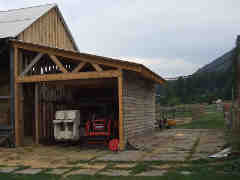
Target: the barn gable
pixel 44 25
pixel 49 30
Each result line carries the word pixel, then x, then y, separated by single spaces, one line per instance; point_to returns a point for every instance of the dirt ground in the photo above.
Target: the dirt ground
pixel 167 145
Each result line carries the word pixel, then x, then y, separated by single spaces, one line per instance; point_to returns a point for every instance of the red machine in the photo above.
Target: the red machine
pixel 98 130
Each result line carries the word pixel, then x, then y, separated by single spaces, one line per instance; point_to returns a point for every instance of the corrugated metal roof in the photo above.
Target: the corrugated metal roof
pixel 15 21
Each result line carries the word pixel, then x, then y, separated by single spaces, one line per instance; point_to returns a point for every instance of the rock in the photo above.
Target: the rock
pixel 7 169
pixel 29 171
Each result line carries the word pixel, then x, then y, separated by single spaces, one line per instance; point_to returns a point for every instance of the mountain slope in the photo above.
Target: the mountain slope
pixel 221 64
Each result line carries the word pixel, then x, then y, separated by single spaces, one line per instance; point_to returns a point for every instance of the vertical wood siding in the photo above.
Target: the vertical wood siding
pixel 48 30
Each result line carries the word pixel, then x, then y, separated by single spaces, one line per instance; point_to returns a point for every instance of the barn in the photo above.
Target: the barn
pixel 43 71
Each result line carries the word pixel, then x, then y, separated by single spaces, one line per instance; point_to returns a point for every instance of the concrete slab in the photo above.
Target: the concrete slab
pixel 29 171
pixel 165 157
pixel 82 172
pixel 152 173
pixel 57 171
pixel 7 169
pixel 115 172
pixel 123 156
pixel 125 165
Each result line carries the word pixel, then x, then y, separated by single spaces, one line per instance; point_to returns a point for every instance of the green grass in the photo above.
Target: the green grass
pixel 183 114
pixel 213 120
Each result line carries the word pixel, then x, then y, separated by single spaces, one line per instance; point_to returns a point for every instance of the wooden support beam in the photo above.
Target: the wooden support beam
pixel 78 56
pixel 89 58
pixel 33 62
pixel 37 113
pixel 120 101
pixel 79 67
pixel 19 126
pixel 67 76
pixel 58 63
pixel 97 67
pixel 12 91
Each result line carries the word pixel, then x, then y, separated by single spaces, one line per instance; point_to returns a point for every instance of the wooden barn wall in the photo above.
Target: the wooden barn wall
pixel 138 105
pixel 48 30
pixel 4 91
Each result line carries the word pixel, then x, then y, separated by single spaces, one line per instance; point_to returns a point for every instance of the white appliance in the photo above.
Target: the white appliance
pixel 66 125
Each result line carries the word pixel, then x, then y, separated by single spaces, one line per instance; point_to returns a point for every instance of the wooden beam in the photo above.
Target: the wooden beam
pixel 78 56
pixel 83 57
pixel 58 63
pixel 67 76
pixel 120 101
pixel 97 67
pixel 33 62
pixel 37 113
pixel 12 90
pixel 79 67
pixel 19 126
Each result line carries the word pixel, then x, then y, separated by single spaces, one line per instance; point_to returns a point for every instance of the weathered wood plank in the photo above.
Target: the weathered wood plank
pixel 50 31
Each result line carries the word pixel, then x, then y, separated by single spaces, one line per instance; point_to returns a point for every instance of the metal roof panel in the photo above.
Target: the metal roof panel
pixel 15 21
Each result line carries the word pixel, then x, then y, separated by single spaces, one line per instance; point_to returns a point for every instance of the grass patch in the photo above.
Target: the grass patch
pixel 140 167
pixel 213 120
pixel 183 114
pixel 207 169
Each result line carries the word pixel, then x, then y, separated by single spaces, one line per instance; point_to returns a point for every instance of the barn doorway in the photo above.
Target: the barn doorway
pixel 94 98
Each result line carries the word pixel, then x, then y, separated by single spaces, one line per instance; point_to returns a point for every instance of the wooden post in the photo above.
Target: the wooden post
pixel 19 126
pixel 120 105
pixel 36 113
pixel 12 99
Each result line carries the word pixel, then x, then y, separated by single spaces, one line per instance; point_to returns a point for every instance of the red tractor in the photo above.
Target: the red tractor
pixel 101 131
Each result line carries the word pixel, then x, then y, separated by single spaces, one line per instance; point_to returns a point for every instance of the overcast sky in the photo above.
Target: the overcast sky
pixel 172 37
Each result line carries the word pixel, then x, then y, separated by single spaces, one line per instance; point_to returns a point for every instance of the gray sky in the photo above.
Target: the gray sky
pixel 172 37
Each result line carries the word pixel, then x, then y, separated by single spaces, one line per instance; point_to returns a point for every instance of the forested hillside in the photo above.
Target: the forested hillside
pixel 209 83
